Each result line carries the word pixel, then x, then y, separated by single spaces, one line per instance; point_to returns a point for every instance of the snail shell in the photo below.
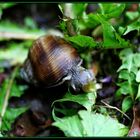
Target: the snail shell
pixel 52 61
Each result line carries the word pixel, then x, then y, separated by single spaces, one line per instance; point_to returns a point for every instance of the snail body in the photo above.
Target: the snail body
pixel 51 61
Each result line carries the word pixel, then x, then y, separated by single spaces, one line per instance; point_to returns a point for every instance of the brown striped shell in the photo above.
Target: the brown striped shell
pixel 49 61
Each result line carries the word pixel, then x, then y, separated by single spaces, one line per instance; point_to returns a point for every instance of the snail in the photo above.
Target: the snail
pixel 52 61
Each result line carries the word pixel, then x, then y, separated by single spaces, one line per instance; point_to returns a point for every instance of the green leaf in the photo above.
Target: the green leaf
pixel 137 60
pixel 71 126
pixel 89 124
pixel 127 103
pixel 73 10
pixel 82 41
pixel 138 76
pixel 124 74
pixel 128 63
pixel 132 15
pixel 99 125
pixel 125 88
pixel 78 9
pixel 112 10
pixel 125 52
pixel 89 21
pixel 110 37
pixel 133 26
pixel 10 53
pixel 87 100
pixel 10 116
pixel 138 94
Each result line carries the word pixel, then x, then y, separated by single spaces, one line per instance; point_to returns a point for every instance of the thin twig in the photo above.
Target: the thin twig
pixel 113 107
pixel 5 103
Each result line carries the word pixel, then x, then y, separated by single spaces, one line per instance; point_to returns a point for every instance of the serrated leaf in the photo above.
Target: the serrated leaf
pixel 111 39
pixel 83 41
pixel 89 124
pixel 100 125
pixel 112 10
pixel 71 126
pixel 127 103
pixel 138 76
pixel 133 26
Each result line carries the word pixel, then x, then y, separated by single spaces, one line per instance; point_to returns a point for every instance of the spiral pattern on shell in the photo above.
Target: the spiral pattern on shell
pixel 51 58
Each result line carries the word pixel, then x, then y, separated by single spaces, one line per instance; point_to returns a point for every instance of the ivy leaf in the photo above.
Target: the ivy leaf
pixel 127 103
pixel 82 41
pixel 112 10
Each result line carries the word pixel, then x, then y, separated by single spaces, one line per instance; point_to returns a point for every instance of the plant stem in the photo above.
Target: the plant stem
pixel 7 95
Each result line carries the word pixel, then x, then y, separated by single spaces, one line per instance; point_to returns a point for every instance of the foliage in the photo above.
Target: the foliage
pixel 87 124
pixel 110 30
pixel 129 78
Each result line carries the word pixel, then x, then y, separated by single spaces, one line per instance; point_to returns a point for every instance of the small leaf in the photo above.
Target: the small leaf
pixel 137 60
pixel 127 103
pixel 112 10
pixel 82 41
pixel 73 10
pixel 124 88
pixel 133 26
pixel 132 15
pixel 78 9
pixel 128 63
pixel 125 52
pixel 124 74
pixel 71 126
